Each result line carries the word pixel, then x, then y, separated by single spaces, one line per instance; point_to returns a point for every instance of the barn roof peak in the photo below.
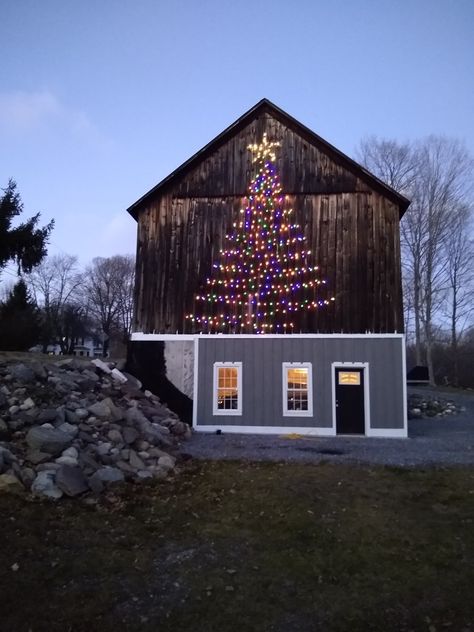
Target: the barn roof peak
pixel 265 105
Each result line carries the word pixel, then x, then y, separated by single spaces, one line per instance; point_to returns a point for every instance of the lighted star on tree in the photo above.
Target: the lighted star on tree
pixel 264 276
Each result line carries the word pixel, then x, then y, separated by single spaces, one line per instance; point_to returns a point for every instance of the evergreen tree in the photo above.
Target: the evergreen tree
pixel 24 244
pixel 264 279
pixel 19 320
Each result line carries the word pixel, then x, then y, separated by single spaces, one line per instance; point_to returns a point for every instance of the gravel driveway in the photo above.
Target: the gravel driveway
pixel 437 441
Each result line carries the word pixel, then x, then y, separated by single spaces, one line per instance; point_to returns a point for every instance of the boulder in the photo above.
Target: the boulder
pixel 44 485
pixel 71 480
pixel 48 440
pixel 129 435
pixel 166 462
pixel 118 376
pixel 69 429
pixel 27 404
pixel 104 477
pixel 47 415
pixel 115 436
pixel 72 452
pixel 135 461
pixel 67 460
pixel 3 400
pixel 102 366
pixel 36 457
pixel 9 484
pixel 22 373
pixel 4 431
pixel 100 409
pixel 91 375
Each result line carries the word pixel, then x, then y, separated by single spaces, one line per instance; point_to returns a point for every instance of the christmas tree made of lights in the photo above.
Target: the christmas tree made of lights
pixel 264 277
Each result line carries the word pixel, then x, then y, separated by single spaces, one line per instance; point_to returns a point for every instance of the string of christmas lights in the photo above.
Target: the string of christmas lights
pixel 264 276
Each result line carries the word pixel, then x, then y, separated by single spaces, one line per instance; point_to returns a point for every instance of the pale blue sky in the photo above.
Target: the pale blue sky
pixel 100 99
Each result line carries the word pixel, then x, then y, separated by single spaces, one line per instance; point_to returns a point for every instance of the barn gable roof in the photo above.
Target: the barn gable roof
pixel 266 106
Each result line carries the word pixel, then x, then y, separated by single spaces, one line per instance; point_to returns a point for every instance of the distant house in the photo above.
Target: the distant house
pixel 268 286
pixel 88 347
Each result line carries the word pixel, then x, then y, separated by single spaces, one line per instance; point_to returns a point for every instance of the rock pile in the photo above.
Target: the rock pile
pixel 420 406
pixel 74 425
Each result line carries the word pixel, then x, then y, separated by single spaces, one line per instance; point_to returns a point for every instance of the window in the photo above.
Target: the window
pixel 351 378
pixel 297 389
pixel 227 391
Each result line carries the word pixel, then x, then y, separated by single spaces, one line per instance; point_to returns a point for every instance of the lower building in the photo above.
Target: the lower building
pixel 312 384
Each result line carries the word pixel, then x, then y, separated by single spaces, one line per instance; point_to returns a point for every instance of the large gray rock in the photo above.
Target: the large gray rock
pixel 115 436
pixel 167 462
pixel 135 461
pixel 129 435
pixel 38 369
pixel 104 477
pixel 9 484
pixel 106 409
pixel 100 410
pixel 44 485
pixel 71 480
pixel 69 429
pixel 36 457
pixel 102 366
pixel 91 375
pixel 71 417
pixel 4 431
pixel 47 415
pixel 48 440
pixel 3 400
pixel 22 373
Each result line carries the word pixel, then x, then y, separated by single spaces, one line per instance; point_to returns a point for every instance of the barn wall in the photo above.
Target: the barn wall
pixel 351 230
pixel 354 239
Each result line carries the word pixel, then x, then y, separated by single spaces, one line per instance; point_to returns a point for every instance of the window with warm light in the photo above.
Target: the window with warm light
pixel 349 378
pixel 297 389
pixel 227 391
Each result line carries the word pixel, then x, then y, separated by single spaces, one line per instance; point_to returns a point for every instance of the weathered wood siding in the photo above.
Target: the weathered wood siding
pixel 352 231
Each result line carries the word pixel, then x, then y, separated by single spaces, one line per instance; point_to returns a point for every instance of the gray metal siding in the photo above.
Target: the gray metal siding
pixel 262 360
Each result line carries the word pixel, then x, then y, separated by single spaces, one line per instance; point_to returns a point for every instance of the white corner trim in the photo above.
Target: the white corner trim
pixel 268 430
pixel 297 365
pixel 195 381
pixel 404 386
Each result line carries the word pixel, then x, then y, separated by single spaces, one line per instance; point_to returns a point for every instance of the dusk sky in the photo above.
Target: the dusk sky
pixel 99 100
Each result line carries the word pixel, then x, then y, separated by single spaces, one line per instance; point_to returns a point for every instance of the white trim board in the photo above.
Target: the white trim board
pixel 195 380
pixel 268 430
pixel 141 337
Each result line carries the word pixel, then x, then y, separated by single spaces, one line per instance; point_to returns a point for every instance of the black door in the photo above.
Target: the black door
pixel 350 417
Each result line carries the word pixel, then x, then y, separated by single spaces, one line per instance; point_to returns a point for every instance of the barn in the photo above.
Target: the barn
pixel 268 290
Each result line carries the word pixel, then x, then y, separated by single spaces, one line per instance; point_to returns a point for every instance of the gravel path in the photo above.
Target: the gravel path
pixel 436 441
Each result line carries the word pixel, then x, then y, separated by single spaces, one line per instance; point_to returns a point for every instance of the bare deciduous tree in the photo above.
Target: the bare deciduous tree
pixel 436 174
pixel 56 286
pixel 460 271
pixel 109 290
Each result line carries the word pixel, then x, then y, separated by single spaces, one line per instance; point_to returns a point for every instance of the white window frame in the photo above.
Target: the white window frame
pixel 215 388
pixel 297 365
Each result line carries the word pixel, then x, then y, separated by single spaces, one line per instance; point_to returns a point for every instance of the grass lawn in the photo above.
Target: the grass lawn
pixel 247 547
